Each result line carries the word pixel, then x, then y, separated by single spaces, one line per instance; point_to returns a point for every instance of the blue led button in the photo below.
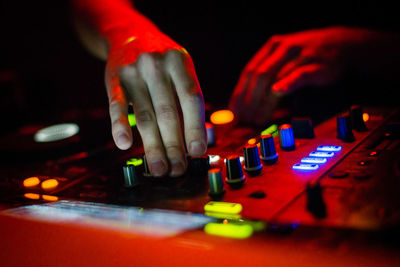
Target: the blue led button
pixel 322 154
pixel 305 166
pixel 329 148
pixel 313 160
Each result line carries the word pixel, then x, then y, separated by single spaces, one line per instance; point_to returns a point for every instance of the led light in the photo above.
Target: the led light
pixel 214 158
pixel 252 141
pixel 56 132
pixel 313 160
pixel 329 148
pixel 365 117
pixel 305 167
pixel 222 117
pixel 132 119
pixel 49 198
pixel 322 154
pixel 31 182
pixel 240 158
pixel 49 184
pixel 272 130
pixel 32 196
pixel 223 207
pixel 134 161
pixel 232 230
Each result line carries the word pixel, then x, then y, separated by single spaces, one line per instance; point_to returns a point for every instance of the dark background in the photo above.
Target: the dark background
pixel 44 70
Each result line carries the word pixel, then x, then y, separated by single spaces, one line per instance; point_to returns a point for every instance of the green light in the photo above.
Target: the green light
pixel 135 162
pixel 273 130
pixel 232 230
pixel 223 215
pixel 223 207
pixel 132 119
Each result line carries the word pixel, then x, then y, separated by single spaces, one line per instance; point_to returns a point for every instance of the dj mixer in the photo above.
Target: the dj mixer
pixel 289 193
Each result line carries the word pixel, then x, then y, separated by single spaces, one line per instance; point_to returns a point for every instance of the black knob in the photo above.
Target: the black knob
pixel 215 182
pixel 199 166
pixel 286 137
pixel 252 163
pixel 344 131
pixel 303 128
pixel 357 121
pixel 268 151
pixel 234 172
pixel 130 177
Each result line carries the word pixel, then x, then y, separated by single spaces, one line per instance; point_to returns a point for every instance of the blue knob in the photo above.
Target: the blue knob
pixel 344 131
pixel 286 137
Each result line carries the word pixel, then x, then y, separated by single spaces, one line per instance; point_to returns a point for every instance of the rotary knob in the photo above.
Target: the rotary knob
pixel 252 162
pixel 357 121
pixel 216 183
pixel 268 150
pixel 130 177
pixel 286 137
pixel 234 172
pixel 344 131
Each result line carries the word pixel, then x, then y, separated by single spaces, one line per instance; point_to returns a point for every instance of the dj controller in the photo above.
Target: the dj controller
pixel 289 193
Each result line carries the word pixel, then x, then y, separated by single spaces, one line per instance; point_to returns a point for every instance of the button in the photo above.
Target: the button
pixel 268 150
pixel 321 154
pixel 272 130
pixel 223 207
pixel 360 175
pixel 305 166
pixel 344 130
pixel 286 137
pixel 338 174
pixel 258 194
pixel 229 229
pixel 329 148
pixel 234 172
pixel 314 160
pixel 252 163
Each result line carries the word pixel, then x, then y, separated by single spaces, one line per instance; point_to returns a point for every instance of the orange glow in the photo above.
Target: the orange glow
pixel 252 141
pixel 49 198
pixel 225 221
pixel 285 126
pixel 32 195
pixel 49 184
pixel 365 117
pixel 31 181
pixel 222 117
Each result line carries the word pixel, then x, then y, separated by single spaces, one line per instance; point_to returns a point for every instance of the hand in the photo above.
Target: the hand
pixel 289 62
pixel 157 77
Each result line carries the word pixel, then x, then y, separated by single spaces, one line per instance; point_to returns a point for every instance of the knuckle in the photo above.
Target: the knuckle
pixel 144 116
pixel 166 112
pixel 194 98
pixel 153 150
pixel 173 146
pixel 128 72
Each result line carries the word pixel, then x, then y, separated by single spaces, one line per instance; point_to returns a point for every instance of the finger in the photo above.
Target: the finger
pixel 163 99
pixel 308 75
pixel 292 65
pixel 118 109
pixel 265 75
pixel 145 120
pixel 182 73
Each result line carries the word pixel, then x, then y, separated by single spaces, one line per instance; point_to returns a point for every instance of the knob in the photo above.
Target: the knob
pixel 210 134
pixel 199 166
pixel 286 137
pixel 252 163
pixel 234 172
pixel 357 121
pixel 146 171
pixel 268 151
pixel 130 177
pixel 215 182
pixel 303 128
pixel 344 131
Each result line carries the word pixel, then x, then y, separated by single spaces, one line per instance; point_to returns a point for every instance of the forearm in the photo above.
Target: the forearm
pixel 102 24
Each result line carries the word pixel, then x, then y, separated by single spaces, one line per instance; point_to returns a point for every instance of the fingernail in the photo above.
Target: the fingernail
pixel 197 148
pixel 157 168
pixel 123 139
pixel 177 168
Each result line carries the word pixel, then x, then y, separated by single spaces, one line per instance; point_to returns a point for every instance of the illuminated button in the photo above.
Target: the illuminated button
pixel 286 137
pixel 31 182
pixel 373 154
pixel 224 216
pixel 49 184
pixel 315 160
pixel 231 230
pixel 222 117
pixel 56 132
pixel 272 130
pixel 252 141
pixel 322 154
pixel 365 117
pixel 329 148
pixel 223 207
pixel 305 166
pixel 134 161
pixel 49 198
pixel 214 159
pixel 32 196
pixel 131 119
